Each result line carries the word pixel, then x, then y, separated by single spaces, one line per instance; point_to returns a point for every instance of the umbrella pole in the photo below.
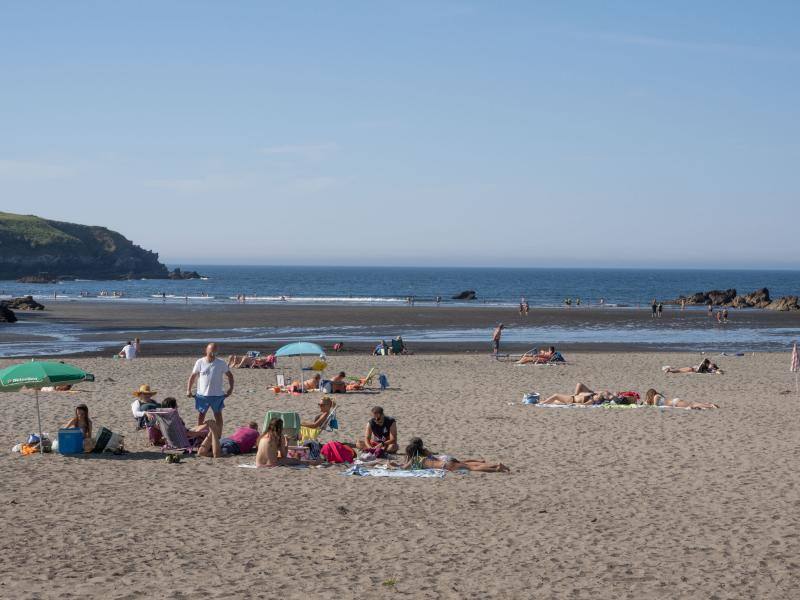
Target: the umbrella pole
pixel 39 420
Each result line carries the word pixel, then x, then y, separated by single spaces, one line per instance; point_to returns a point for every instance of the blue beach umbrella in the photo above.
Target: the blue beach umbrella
pixel 301 349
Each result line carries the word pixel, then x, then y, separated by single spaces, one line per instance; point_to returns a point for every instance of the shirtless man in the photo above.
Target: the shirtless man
pixel 339 383
pixel 498 333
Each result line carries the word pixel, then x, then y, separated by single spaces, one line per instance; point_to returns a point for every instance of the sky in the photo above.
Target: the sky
pixel 530 134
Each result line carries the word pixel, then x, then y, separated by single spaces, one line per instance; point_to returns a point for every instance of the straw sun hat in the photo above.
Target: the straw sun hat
pixel 144 390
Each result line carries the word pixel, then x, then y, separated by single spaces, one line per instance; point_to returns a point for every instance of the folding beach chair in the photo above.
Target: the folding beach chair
pixel 331 423
pixel 176 437
pixel 359 383
pixel 291 423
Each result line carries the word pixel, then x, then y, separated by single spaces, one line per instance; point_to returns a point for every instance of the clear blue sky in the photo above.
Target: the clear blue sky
pixel 410 133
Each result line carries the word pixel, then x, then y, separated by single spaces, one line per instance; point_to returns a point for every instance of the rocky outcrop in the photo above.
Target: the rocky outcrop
pixel 757 299
pixel 466 295
pixel 783 304
pixel 6 314
pixel 31 247
pixel 178 274
pixel 716 297
pixel 40 278
pixel 24 303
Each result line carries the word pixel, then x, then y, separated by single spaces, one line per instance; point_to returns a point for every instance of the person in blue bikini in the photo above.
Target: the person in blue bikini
pixel 209 373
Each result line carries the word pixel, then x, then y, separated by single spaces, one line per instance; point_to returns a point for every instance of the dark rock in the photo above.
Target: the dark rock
pixel 24 303
pixel 783 304
pixel 178 274
pixel 758 299
pixel 6 314
pixel 715 297
pixel 466 295
pixel 40 278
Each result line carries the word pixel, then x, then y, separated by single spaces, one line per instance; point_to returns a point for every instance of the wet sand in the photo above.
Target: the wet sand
pixel 165 322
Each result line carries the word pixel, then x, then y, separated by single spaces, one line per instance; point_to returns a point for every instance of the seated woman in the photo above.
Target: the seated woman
pixel 198 432
pixel 273 448
pixel 339 383
pixel 82 421
pixel 326 405
pixel 653 398
pixel 704 367
pixel 419 457
pixel 583 395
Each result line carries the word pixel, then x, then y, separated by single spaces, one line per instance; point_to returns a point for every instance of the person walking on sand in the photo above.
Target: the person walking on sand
pixel 498 333
pixel 208 372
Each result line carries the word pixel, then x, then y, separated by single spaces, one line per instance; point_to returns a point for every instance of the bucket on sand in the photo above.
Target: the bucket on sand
pixel 530 398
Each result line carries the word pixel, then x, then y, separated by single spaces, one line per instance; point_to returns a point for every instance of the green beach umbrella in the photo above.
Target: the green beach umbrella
pixel 38 374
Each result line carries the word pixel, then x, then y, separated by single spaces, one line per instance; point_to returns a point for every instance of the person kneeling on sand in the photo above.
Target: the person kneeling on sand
pixel 273 448
pixel 380 431
pixel 241 441
pixel 419 457
pixel 704 367
pixel 339 383
pixel 583 395
pixel 654 398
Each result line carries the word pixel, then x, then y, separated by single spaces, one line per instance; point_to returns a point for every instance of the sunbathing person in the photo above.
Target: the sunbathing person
pixel 82 421
pixel 241 441
pixel 704 367
pixel 273 448
pixel 308 384
pixel 653 398
pixel 380 431
pixel 540 358
pixel 419 457
pixel 326 405
pixel 339 383
pixel 583 395
pixel 236 361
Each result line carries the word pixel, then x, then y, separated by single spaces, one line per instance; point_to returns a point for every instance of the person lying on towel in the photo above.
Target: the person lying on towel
pixel 419 457
pixel 542 357
pixel 654 398
pixel 585 396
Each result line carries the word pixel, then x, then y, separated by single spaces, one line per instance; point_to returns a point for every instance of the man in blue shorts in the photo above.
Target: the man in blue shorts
pixel 209 372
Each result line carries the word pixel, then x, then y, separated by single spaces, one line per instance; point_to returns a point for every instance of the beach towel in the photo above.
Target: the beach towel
pixel 606 405
pixel 361 471
pixel 254 466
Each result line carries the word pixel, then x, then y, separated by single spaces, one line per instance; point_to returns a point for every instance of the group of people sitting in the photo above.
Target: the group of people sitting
pixel 396 346
pixel 541 357
pixel 585 396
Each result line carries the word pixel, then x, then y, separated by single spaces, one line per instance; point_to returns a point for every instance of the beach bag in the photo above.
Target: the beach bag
pixel 628 397
pixel 106 441
pixel 314 448
pixel 530 398
pixel 326 386
pixel 336 452
pixel 383 381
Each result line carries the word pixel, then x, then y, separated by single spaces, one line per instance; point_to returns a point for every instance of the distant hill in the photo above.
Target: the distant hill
pixel 31 245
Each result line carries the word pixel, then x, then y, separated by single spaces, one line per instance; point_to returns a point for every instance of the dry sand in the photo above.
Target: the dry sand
pixel 641 503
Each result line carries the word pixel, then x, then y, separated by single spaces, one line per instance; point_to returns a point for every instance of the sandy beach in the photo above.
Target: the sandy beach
pixel 636 503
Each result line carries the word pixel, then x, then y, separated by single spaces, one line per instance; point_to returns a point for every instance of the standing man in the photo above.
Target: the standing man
pixel 498 332
pixel 208 372
pixel 654 308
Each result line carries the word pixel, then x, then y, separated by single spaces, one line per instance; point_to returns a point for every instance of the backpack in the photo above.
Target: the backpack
pixel 336 452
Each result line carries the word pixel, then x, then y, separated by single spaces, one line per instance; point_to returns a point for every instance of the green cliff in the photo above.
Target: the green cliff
pixel 31 245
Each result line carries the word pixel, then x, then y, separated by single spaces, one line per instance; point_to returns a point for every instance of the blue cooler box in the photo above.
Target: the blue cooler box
pixel 70 441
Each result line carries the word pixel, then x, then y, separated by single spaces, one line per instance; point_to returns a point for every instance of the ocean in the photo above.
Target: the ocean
pixel 382 285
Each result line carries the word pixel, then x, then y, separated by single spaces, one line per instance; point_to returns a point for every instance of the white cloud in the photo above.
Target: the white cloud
pixel 24 170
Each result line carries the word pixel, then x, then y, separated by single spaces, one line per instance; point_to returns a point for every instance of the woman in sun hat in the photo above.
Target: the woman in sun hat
pixel 144 402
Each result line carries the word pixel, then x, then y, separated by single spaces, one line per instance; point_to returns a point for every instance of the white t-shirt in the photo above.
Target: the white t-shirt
pixel 129 351
pixel 209 383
